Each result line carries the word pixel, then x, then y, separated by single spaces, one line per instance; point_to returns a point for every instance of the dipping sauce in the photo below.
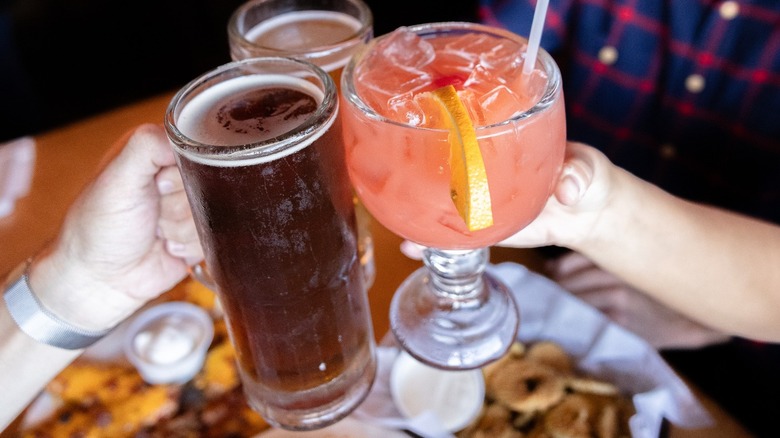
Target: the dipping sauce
pixel 167 343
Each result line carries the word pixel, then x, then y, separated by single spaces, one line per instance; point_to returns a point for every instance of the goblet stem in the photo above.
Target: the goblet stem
pixel 457 275
pixel 451 314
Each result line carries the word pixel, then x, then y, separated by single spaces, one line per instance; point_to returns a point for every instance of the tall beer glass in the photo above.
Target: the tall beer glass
pixel 259 146
pixel 324 32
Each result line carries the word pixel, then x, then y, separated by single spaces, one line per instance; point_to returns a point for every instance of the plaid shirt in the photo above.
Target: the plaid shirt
pixel 683 93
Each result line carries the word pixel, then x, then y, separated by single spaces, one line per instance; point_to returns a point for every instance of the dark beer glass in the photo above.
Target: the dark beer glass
pixel 259 146
pixel 324 32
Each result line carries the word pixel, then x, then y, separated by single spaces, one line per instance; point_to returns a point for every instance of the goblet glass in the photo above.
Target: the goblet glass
pixel 452 313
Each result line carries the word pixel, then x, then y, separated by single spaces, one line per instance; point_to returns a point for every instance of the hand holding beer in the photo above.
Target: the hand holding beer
pixel 259 147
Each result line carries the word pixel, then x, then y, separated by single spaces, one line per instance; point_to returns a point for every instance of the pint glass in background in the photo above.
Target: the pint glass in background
pixel 259 146
pixel 324 32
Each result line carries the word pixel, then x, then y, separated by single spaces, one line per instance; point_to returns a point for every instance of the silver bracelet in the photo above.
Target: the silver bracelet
pixel 41 324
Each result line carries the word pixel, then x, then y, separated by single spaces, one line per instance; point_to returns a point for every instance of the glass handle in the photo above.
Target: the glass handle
pixel 200 272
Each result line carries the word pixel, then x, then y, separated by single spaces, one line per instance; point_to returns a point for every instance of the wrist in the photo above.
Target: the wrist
pixel 67 289
pixel 38 321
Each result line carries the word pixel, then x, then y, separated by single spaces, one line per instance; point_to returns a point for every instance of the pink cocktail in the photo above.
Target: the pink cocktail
pixel 398 156
pixel 398 161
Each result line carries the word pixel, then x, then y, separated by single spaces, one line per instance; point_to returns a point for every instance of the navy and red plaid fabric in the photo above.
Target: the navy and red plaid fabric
pixel 683 93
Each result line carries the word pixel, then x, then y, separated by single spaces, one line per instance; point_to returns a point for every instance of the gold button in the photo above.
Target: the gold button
pixel 608 55
pixel 668 150
pixel 694 83
pixel 729 10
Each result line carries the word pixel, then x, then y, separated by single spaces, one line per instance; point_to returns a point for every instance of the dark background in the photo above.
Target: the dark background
pixel 64 60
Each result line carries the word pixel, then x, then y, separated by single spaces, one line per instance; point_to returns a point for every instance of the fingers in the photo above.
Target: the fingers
pixel 628 307
pixel 578 173
pixel 578 275
pixel 146 151
pixel 176 224
pixel 152 142
pixel 576 176
pixel 168 180
pixel 568 264
pixel 412 250
pixel 572 211
pixel 191 252
pixel 609 300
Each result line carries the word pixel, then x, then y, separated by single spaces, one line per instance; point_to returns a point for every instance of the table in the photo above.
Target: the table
pixel 69 157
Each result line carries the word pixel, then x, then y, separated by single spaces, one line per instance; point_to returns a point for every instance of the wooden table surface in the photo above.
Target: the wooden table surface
pixel 68 157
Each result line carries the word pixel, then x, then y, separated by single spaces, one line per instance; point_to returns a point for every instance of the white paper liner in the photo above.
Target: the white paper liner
pixel 547 312
pixel 600 347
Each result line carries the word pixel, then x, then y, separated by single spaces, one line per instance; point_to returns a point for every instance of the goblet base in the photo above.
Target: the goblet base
pixel 453 332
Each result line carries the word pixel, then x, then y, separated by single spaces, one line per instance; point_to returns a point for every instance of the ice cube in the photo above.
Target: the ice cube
pixel 474 108
pixel 528 88
pixel 470 44
pixel 405 109
pixel 482 80
pixel 406 48
pixel 394 79
pixel 503 60
pixel 501 104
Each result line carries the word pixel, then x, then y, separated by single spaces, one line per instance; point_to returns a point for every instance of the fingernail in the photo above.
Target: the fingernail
pixel 192 261
pixel 411 250
pixel 175 248
pixel 164 186
pixel 570 187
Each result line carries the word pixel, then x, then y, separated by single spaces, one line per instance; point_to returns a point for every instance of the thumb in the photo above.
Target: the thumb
pixel 146 151
pixel 127 176
pixel 576 175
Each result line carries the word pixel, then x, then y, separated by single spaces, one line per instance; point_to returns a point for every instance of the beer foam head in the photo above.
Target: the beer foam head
pixel 248 111
pixel 323 37
pixel 302 32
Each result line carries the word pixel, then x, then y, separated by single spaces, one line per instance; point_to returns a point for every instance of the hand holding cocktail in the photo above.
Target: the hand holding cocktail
pixel 400 157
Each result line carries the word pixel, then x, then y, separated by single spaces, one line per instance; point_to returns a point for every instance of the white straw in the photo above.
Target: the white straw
pixel 535 37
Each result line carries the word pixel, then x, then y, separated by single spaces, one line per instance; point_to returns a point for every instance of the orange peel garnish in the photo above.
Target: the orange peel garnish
pixel 468 179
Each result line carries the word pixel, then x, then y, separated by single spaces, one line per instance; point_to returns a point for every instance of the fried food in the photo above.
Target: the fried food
pixel 525 386
pixel 571 418
pixel 495 421
pixel 88 383
pixel 124 417
pixel 112 400
pixel 551 354
pixel 535 391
